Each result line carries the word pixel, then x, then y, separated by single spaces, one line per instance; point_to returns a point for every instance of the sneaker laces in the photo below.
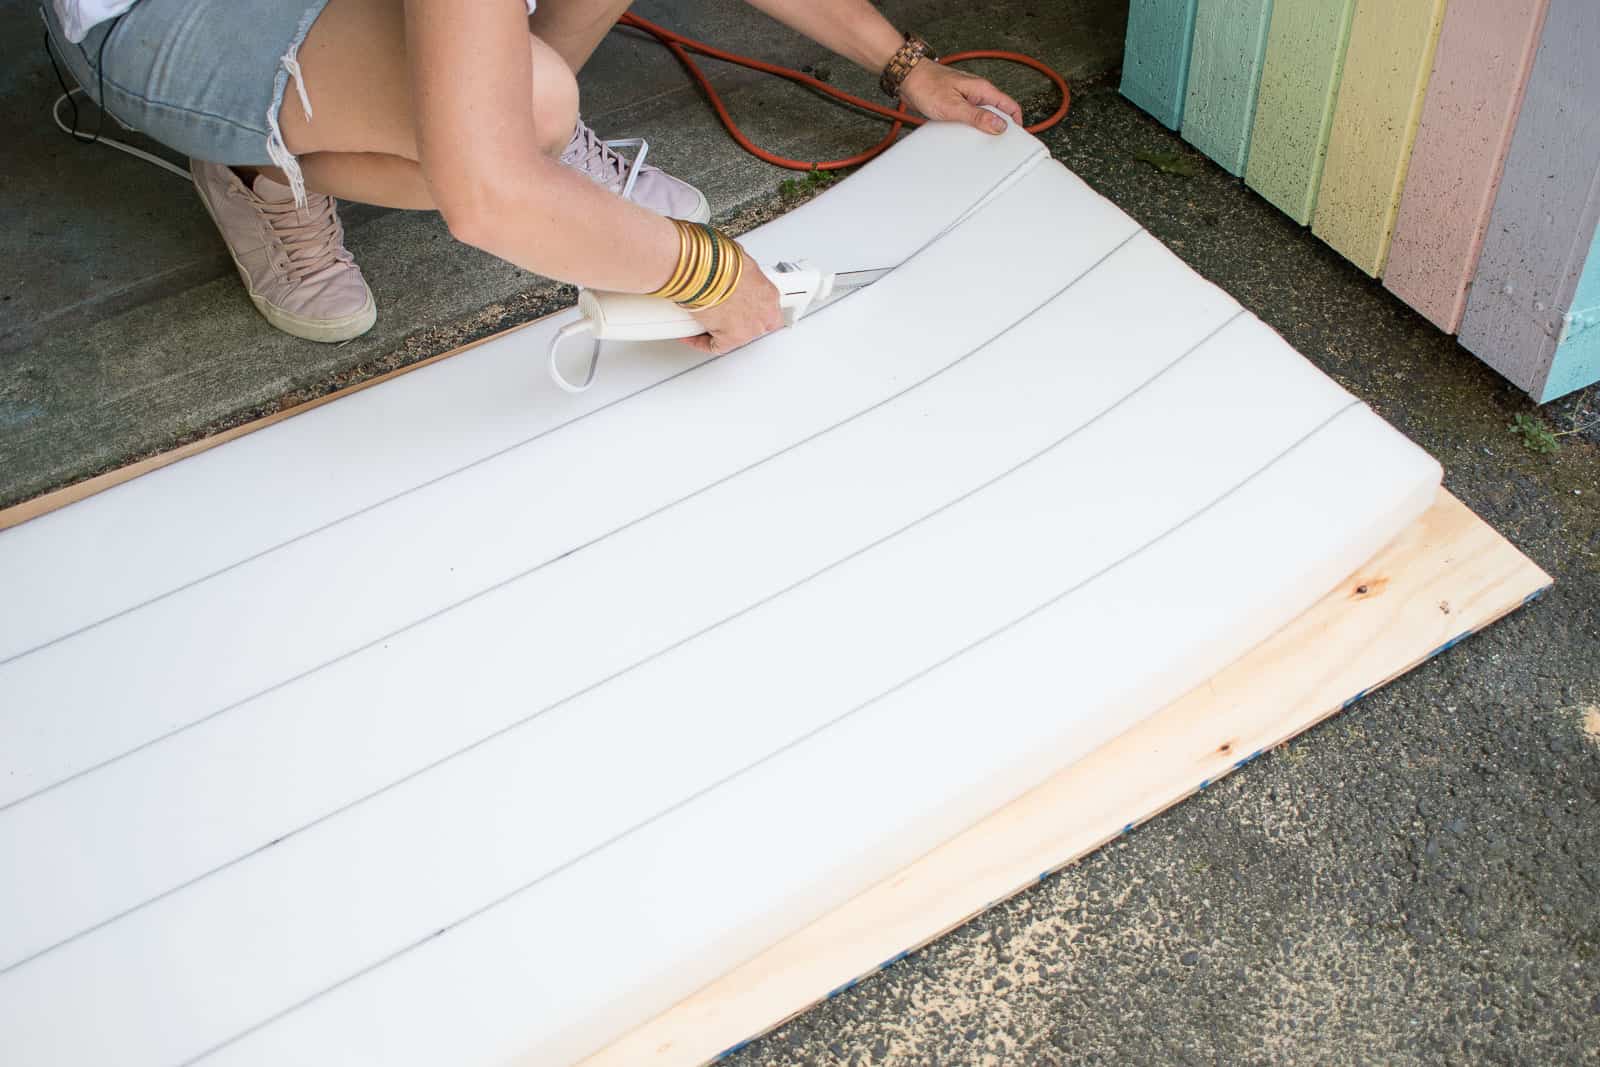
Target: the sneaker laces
pixel 311 240
pixel 600 160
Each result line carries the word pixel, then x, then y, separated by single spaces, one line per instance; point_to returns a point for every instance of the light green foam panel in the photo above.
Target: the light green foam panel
pixel 1299 85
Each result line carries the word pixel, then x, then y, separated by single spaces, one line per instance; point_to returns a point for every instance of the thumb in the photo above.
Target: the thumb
pixel 987 121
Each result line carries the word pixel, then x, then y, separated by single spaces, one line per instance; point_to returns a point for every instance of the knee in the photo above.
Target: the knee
pixel 555 98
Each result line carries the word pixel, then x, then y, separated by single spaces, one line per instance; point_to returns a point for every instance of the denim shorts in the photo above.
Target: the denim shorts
pixel 204 77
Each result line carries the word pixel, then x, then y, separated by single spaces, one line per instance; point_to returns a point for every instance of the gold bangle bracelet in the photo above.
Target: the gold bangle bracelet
pixel 677 268
pixel 686 275
pixel 706 264
pixel 709 268
pixel 686 268
pixel 712 273
pixel 686 261
pixel 725 280
pixel 693 262
pixel 709 285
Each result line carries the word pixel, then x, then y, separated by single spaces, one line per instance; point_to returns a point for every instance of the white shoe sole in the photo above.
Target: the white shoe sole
pixel 326 331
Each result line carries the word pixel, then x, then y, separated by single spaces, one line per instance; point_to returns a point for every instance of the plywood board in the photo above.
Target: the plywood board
pixel 1155 61
pixel 1386 72
pixel 1230 39
pixel 1485 55
pixel 1445 578
pixel 1299 85
pixel 1545 217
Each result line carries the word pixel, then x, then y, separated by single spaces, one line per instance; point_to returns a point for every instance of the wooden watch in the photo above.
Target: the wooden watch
pixel 907 56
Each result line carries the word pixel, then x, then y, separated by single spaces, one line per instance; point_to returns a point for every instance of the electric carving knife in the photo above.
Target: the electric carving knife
pixel 634 317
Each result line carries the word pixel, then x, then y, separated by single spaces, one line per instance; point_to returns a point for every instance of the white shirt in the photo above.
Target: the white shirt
pixel 78 17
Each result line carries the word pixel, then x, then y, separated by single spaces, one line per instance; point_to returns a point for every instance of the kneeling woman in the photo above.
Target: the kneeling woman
pixel 467 107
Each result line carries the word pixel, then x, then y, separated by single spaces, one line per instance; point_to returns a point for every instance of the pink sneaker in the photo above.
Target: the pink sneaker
pixel 293 262
pixel 652 187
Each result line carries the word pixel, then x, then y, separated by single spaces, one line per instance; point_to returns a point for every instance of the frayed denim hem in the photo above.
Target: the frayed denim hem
pixel 289 67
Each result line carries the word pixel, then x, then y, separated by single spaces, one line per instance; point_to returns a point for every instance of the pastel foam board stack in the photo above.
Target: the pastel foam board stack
pixel 463 720
pixel 1533 311
pixel 1447 148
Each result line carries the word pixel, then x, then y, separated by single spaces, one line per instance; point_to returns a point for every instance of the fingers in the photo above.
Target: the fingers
pixel 751 310
pixel 987 121
pixel 737 336
pixel 980 92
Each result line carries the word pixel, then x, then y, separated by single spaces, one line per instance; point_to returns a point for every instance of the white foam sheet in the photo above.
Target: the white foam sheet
pixel 534 713
pixel 515 509
pixel 296 477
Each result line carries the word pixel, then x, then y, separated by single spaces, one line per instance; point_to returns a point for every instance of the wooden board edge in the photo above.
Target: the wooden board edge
pixel 1447 577
pixel 55 499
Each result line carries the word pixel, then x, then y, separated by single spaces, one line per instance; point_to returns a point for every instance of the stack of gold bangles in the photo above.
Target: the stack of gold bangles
pixel 709 265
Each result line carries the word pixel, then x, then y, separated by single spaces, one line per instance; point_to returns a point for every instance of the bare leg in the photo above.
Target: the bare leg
pixel 361 144
pixel 574 28
pixel 368 177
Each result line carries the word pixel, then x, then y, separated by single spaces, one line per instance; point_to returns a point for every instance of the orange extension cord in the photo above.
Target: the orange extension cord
pixel 681 46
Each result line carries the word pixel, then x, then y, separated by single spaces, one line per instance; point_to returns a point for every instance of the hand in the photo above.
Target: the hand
pixel 751 311
pixel 942 92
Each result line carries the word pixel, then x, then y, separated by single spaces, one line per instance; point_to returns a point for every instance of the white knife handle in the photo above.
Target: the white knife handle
pixel 635 317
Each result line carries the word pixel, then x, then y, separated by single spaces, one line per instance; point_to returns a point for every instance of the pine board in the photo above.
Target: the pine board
pixel 1230 39
pixel 1155 61
pixel 1545 219
pixel 1386 72
pixel 1447 577
pixel 1299 85
pixel 1485 55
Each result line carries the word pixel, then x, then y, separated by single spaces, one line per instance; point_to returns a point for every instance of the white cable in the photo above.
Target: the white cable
pixel 574 329
pixel 55 113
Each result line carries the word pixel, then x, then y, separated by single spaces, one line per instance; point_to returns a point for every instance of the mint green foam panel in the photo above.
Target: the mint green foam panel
pixel 1230 43
pixel 1577 358
pixel 1155 58
pixel 1306 43
pixel 1531 313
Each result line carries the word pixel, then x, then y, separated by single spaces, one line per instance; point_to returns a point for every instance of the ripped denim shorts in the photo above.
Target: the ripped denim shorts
pixel 203 77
